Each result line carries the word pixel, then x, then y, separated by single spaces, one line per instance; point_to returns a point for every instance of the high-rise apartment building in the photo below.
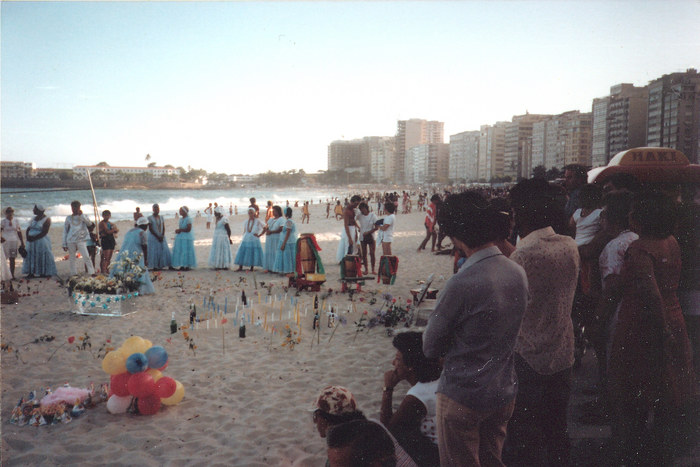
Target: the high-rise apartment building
pixel 575 132
pixel 517 154
pixel 491 148
pixel 539 143
pixel 464 156
pixel 428 163
pixel 410 133
pixel 344 155
pixel 382 150
pixel 562 140
pixel 599 141
pixel 625 121
pixel 674 113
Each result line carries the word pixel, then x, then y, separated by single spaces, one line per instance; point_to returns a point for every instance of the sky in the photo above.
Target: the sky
pixel 247 87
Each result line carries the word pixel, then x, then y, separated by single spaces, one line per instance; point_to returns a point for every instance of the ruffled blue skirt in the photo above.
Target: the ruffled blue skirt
pixel 250 253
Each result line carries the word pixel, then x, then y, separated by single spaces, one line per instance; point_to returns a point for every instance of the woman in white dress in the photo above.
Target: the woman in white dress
pixel 220 255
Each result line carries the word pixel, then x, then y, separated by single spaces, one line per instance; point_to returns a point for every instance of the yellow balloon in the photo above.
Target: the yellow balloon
pixel 155 374
pixel 134 344
pixel 114 363
pixel 149 344
pixel 177 395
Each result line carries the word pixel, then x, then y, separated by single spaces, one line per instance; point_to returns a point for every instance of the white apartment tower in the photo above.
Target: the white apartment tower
pixel 410 133
pixel 427 163
pixel 491 149
pixel 464 156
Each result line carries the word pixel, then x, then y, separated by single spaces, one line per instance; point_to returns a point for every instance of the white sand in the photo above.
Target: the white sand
pixel 248 406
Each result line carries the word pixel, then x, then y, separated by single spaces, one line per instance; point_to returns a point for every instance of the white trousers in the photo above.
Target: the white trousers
pixel 82 248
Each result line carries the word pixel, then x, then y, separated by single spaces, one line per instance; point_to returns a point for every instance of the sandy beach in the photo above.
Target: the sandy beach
pixel 246 404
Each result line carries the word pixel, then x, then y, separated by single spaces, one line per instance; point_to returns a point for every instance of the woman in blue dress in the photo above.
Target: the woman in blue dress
pixel 39 260
pixel 286 259
pixel 272 240
pixel 220 255
pixel 250 253
pixel 135 243
pixel 158 249
pixel 183 248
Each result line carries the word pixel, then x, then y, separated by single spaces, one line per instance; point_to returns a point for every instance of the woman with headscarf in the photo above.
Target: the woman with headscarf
pixel 158 249
pixel 285 261
pixel 136 244
pixel 39 260
pixel 272 240
pixel 220 255
pixel 183 247
pixel 250 253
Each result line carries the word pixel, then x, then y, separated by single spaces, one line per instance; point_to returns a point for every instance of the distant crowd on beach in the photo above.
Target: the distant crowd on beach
pixel 543 273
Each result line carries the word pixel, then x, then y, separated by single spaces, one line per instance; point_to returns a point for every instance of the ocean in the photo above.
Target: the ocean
pixel 123 203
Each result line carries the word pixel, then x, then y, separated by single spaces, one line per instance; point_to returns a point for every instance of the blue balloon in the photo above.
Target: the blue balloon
pixel 157 357
pixel 136 363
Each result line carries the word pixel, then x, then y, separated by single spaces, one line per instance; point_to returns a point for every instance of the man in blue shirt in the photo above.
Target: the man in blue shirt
pixel 474 327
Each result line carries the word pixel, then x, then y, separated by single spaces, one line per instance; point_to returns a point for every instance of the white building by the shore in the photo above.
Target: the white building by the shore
pixel 116 172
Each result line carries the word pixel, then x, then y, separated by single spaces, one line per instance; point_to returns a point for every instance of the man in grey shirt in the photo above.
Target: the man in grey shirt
pixel 474 327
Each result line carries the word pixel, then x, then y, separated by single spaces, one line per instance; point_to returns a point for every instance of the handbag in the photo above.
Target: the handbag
pixel 22 251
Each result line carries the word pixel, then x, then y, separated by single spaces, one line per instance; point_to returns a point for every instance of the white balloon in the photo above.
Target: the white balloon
pixel 118 404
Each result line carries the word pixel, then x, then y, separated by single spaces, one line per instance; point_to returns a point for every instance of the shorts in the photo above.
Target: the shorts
pixel 367 239
pixel 10 248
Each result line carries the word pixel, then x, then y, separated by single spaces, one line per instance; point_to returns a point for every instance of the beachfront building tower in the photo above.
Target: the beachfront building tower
pixel 491 148
pixel 674 113
pixel 347 155
pixel 464 157
pixel 599 138
pixel 382 151
pixel 517 154
pixel 625 121
pixel 410 133
pixel 427 163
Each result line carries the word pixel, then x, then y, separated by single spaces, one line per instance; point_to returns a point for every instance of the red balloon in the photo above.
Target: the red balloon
pixel 148 405
pixel 165 387
pixel 118 384
pixel 141 385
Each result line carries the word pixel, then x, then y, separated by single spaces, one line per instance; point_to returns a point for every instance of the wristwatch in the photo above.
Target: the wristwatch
pixel 386 389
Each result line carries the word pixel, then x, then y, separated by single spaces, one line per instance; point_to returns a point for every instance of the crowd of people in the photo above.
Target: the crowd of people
pixel 542 272
pixel 544 268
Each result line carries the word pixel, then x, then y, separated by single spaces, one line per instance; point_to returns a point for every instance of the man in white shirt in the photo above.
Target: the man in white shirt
pixel 12 235
pixel 75 235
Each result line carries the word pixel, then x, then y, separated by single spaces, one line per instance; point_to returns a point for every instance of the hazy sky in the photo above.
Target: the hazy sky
pixel 246 87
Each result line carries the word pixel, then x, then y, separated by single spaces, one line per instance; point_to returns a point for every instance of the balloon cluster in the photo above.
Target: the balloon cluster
pixel 135 373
